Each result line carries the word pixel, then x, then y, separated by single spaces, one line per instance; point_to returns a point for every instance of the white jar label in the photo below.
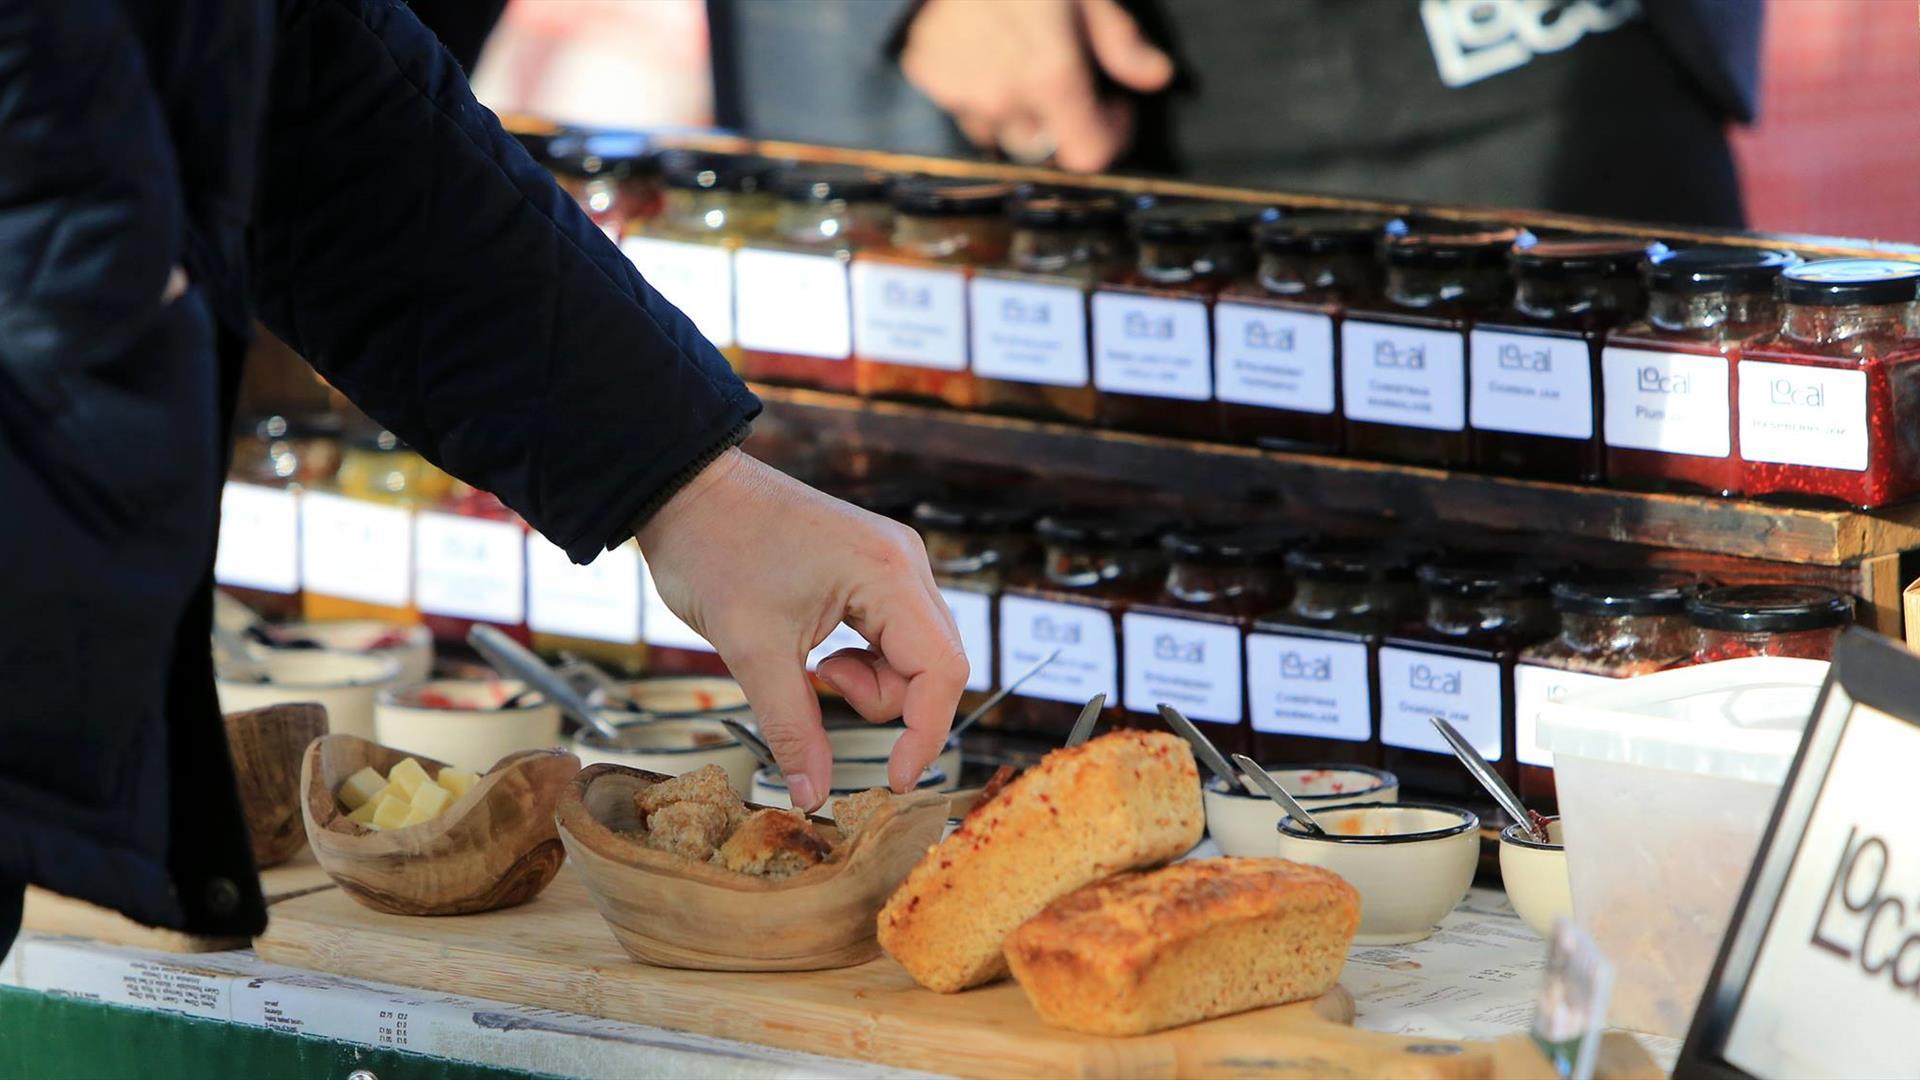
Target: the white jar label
pixel 1416 686
pixel 1193 666
pixel 910 315
pixel 1088 663
pixel 1403 375
pixel 600 601
pixel 1152 346
pixel 1677 403
pixel 696 278
pixel 1309 686
pixel 1025 332
pixel 973 614
pixel 790 302
pixel 1533 687
pixel 356 550
pixel 1533 384
pixel 659 625
pixel 1796 415
pixel 470 568
pixel 1274 358
pixel 259 539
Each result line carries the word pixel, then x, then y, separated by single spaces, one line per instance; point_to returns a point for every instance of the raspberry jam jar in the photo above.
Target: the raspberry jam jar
pixel 972 545
pixel 274 458
pixel 1152 329
pixel 470 566
pixel 1029 318
pixel 793 313
pixel 910 296
pixel 1802 621
pixel 1533 370
pixel 1667 381
pixel 1275 353
pixel 1403 360
pixel 1829 407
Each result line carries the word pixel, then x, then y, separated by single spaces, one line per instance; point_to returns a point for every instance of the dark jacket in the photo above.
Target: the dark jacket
pixel 397 239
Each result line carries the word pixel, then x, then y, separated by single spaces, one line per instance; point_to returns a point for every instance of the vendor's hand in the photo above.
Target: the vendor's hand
pixel 1019 74
pixel 764 567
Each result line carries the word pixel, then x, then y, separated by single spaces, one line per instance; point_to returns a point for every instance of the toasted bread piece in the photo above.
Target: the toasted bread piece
pixel 693 829
pixel 707 784
pixel 852 813
pixel 773 844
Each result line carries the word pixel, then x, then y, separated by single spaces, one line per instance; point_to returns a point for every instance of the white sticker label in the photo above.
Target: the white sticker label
pixel 1088 663
pixel 259 539
pixel 600 601
pixel 659 625
pixel 1417 686
pixel 1403 375
pixel 973 614
pixel 1023 332
pixel 696 278
pixel 1673 402
pixel 910 315
pixel 1796 415
pixel 1533 687
pixel 1193 666
pixel 356 550
pixel 1533 384
pixel 1274 358
pixel 790 302
pixel 840 637
pixel 1309 686
pixel 470 568
pixel 1152 346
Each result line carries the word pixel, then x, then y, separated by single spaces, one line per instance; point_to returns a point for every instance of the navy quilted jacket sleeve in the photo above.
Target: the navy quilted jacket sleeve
pixel 423 263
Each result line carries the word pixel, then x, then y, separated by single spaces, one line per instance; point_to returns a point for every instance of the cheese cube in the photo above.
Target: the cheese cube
pixel 456 781
pixel 364 815
pixel 362 788
pixel 392 812
pixel 429 799
pixel 408 775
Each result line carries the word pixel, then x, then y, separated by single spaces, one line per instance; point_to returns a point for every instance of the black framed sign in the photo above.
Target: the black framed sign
pixel 1819 972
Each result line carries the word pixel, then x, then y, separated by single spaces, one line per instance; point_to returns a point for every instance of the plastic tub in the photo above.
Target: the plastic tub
pixel 1666 783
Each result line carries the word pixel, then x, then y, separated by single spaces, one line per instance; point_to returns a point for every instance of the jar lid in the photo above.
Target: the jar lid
pixel 1231 545
pixel 1582 256
pixel 1195 222
pixel 1846 282
pixel 949 196
pixel 1489 575
pixel 1622 597
pixel 1750 609
pixel 1052 208
pixel 1347 560
pixel 972 516
pixel 1322 233
pixel 1442 244
pixel 1101 529
pixel 605 153
pixel 831 183
pixel 1715 268
pixel 705 170
pixel 379 440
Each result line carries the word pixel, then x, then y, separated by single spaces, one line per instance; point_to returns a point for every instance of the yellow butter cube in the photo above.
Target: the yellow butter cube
pixel 362 788
pixel 456 781
pixel 364 815
pixel 408 775
pixel 392 812
pixel 430 798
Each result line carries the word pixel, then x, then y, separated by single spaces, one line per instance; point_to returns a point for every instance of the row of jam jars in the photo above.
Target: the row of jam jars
pixel 470 566
pixel 274 459
pixel 972 545
pixel 1736 621
pixel 910 295
pixel 1667 381
pixel 356 540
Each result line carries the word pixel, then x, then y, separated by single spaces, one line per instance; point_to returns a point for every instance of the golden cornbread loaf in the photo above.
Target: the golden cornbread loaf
pixel 1198 939
pixel 1122 801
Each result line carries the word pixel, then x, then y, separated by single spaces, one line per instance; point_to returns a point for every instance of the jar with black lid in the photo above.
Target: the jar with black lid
pixel 275 457
pixel 972 545
pixel 1735 621
pixel 614 176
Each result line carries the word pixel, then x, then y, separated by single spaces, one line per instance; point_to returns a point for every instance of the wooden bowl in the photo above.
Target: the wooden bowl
pixel 675 912
pixel 266 745
pixel 493 848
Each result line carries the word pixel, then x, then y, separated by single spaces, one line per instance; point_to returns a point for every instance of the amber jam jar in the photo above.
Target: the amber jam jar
pixel 793 313
pixel 1312 691
pixel 1152 330
pixel 1667 381
pixel 1029 317
pixel 1533 369
pixel 1095 565
pixel 1802 621
pixel 1829 407
pixel 356 540
pixel 614 176
pixel 1403 361
pixel 910 295
pixel 1276 358
pixel 972 546
pixel 274 458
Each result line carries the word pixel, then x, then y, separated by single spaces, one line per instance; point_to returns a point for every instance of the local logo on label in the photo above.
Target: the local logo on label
pixel 1307 668
pixel 1512 357
pixel 1046 628
pixel 1423 677
pixel 1148 327
pixel 1168 647
pixel 899 294
pixel 1652 380
pixel 1259 335
pixel 1015 310
pixel 1406 356
pixel 1788 392
pixel 1861 924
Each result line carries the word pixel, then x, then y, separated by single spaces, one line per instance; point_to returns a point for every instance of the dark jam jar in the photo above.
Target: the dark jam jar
pixel 1830 405
pixel 1403 360
pixel 1152 329
pixel 1312 695
pixel 1457 662
pixel 910 296
pixel 1802 621
pixel 274 459
pixel 1275 356
pixel 972 546
pixel 793 313
pixel 614 176
pixel 1667 381
pixel 1533 370
pixel 1029 318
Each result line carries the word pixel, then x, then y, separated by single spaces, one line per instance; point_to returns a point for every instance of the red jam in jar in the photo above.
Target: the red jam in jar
pixel 470 566
pixel 1802 621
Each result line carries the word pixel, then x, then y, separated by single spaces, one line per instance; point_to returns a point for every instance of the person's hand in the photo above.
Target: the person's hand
pixel 1019 74
pixel 764 567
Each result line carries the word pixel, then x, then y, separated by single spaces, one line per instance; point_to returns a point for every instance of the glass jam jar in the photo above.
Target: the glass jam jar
pixel 1733 621
pixel 1830 405
pixel 274 459
pixel 470 566
pixel 1152 329
pixel 1667 381
pixel 597 611
pixel 792 310
pixel 1533 370
pixel 972 545
pixel 356 540
pixel 1275 358
pixel 910 297
pixel 614 176
pixel 1312 691
pixel 1403 361
pixel 1029 317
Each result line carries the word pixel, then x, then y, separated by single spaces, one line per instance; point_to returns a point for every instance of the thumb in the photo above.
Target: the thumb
pixel 789 717
pixel 1123 53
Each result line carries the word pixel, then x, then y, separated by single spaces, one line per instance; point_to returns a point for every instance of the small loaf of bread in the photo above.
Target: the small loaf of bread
pixel 1199 939
pixel 1122 801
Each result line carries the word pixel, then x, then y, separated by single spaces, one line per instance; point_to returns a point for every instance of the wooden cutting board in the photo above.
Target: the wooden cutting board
pixel 51 913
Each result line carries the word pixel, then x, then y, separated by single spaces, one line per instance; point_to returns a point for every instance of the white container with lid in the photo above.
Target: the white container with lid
pixel 1666 782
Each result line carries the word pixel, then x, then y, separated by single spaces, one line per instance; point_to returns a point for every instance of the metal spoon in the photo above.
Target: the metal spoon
pixel 1000 695
pixel 573 664
pixel 1489 779
pixel 1089 716
pixel 510 658
pixel 754 743
pixel 1203 747
pixel 1278 794
pixel 232 660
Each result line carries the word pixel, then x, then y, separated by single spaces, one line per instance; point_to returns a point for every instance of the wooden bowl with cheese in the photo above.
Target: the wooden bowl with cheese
pixel 267 745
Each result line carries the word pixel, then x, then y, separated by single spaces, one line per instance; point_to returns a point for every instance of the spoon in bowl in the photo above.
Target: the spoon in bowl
pixel 513 660
pixel 1273 790
pixel 1203 747
pixel 755 745
pixel 1089 716
pixel 1489 779
pixel 1000 695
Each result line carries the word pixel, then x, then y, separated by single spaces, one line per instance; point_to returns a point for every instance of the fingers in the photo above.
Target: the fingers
pixel 789 718
pixel 1063 98
pixel 1130 59
pixel 875 690
pixel 917 642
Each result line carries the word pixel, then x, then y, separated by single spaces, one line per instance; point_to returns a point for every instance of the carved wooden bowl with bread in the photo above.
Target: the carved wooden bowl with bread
pixel 267 745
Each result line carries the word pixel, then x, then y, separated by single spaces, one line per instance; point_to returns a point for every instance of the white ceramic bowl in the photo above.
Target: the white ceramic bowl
pixel 344 682
pixel 1410 862
pixel 669 697
pixel 868 744
pixel 671 747
pixel 1242 820
pixel 1535 875
pixel 467 729
pixel 849 778
pixel 411 645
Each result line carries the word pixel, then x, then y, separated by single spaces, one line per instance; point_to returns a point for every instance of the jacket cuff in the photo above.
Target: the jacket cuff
pixel 681 479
